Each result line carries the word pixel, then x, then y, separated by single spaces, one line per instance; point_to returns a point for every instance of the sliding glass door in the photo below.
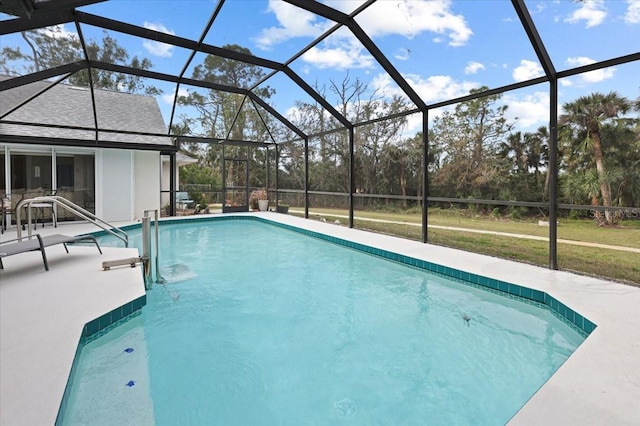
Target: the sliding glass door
pixel 75 179
pixel 32 173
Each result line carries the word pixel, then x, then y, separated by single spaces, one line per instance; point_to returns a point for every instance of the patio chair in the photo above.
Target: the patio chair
pixel 24 245
pixel 183 201
pixel 42 205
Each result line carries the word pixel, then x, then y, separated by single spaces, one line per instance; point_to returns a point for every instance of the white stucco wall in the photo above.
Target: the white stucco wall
pixel 114 184
pixel 147 182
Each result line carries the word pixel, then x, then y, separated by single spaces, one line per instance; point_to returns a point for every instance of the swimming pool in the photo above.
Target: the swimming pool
pixel 259 325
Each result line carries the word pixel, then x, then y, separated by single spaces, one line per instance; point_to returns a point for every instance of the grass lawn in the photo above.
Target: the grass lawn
pixel 612 264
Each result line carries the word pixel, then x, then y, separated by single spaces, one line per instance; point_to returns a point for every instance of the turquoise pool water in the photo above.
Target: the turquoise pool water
pixel 257 325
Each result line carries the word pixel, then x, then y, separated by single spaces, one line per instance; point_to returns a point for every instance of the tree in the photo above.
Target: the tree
pixel 52 46
pixel 469 139
pixel 584 120
pixel 224 114
pixel 401 167
pixel 537 151
pixel 329 153
pixel 227 115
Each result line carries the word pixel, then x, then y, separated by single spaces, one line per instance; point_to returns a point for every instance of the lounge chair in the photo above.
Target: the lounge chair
pixel 23 245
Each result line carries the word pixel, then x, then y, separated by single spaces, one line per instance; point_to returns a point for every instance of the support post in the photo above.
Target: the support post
pixel 267 168
pixel 351 173
pixel 224 179
pixel 306 178
pixel 553 173
pixel 425 175
pixel 246 176
pixel 276 175
pixel 172 184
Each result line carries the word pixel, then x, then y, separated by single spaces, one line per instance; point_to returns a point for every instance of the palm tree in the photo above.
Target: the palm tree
pixel 586 116
pixel 538 156
pixel 514 149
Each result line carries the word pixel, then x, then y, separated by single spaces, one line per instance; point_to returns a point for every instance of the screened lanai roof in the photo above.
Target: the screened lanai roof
pixel 272 56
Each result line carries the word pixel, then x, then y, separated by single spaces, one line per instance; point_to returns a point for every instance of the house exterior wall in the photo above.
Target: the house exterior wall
pixel 126 182
pixel 147 182
pixel 115 184
pixel 130 182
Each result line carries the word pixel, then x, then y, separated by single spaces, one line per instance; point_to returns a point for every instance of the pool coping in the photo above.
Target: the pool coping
pixel 46 314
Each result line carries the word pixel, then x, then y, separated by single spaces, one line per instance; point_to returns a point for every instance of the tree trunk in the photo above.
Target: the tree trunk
pixel 605 189
pixel 403 186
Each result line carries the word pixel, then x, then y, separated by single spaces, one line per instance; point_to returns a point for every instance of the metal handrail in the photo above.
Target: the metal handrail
pixel 74 209
pixel 159 277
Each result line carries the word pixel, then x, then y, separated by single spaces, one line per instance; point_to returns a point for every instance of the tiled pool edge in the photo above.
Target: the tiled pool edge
pixel 581 324
pixel 93 330
pixel 577 321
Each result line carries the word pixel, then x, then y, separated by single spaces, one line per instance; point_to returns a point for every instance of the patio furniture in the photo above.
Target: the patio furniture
pixel 183 201
pixel 7 208
pixel 40 206
pixel 24 245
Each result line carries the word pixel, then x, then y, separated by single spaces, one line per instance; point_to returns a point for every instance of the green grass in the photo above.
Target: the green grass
pixel 612 264
pixel 626 234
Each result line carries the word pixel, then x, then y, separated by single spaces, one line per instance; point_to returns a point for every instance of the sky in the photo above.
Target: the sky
pixel 443 48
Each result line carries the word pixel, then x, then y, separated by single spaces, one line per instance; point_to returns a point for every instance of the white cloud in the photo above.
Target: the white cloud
pixel 473 67
pixel 407 18
pixel 578 61
pixel 402 54
pixel 527 70
pixel 565 82
pixel 411 18
pixel 338 58
pixel 59 31
pixel 154 47
pixel 340 51
pixel 530 111
pixel 540 7
pixel 432 89
pixel 633 12
pixel 592 12
pixel 294 22
pixel 168 98
pixel 591 76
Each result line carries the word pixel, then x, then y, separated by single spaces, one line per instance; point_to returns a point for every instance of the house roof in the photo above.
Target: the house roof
pixel 65 112
pixel 182 159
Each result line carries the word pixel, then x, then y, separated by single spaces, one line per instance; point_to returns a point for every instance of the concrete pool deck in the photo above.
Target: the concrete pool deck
pixel 42 315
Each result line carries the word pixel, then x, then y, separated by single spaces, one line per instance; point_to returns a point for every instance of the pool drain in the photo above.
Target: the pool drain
pixel 345 407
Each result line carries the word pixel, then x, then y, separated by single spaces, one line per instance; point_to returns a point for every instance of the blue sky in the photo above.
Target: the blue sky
pixel 442 48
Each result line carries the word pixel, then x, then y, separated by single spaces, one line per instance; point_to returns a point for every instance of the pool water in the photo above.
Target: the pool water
pixel 257 325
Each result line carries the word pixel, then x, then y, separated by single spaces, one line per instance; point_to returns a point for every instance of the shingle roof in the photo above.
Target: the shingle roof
pixel 66 105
